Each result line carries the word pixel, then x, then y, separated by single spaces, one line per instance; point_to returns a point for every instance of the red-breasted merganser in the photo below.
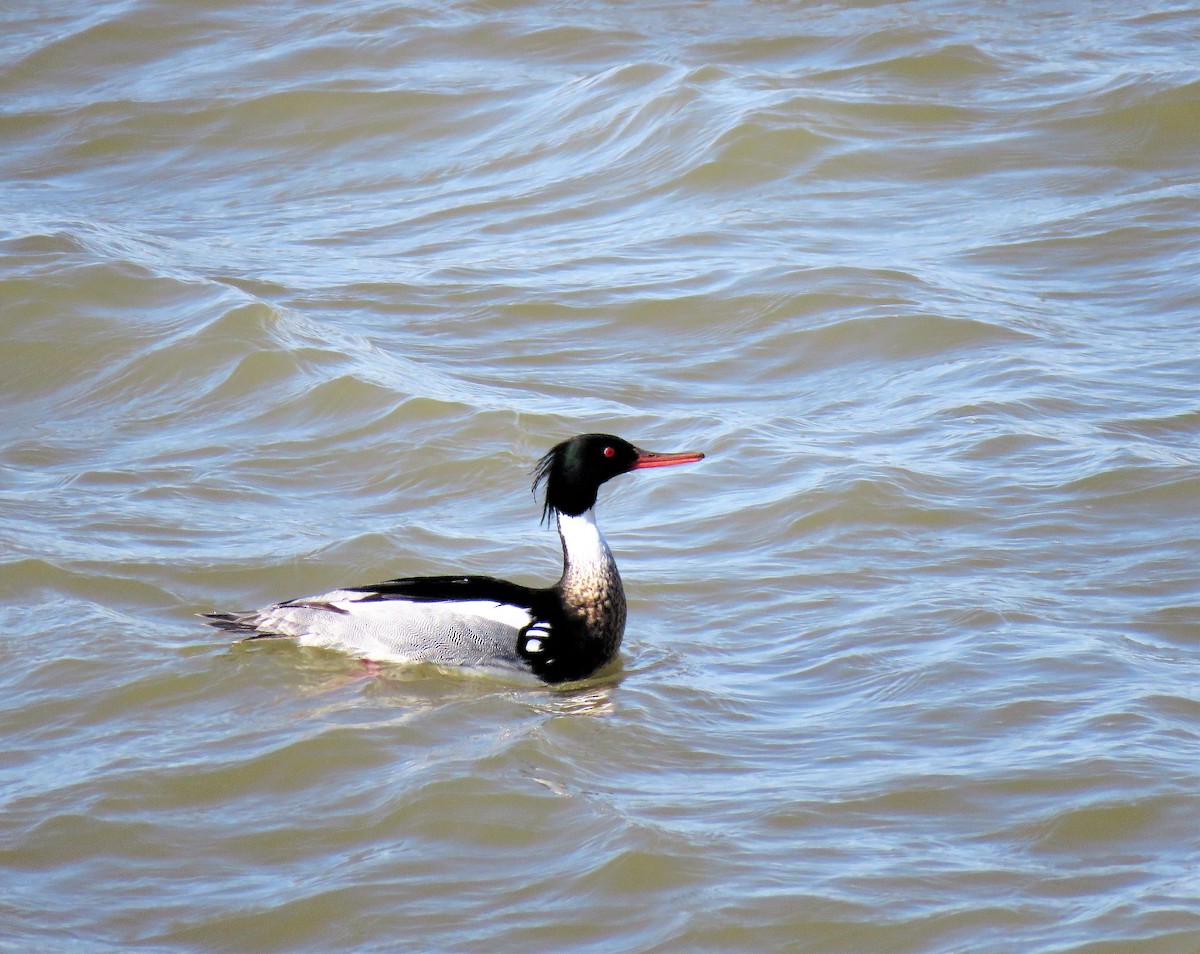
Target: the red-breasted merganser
pixel 559 633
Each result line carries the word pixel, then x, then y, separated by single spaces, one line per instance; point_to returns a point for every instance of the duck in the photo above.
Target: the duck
pixel 560 633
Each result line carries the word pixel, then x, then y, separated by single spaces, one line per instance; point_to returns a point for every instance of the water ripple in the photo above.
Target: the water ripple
pixel 294 298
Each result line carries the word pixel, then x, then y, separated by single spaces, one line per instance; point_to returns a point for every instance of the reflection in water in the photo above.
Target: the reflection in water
pixel 593 698
pixel 424 686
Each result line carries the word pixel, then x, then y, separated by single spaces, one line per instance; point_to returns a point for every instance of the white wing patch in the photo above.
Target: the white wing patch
pixel 503 613
pixel 357 603
pixel 536 635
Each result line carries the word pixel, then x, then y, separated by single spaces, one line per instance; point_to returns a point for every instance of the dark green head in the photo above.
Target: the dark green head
pixel 574 470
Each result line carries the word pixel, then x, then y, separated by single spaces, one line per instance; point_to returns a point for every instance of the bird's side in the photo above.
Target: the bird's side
pixel 558 633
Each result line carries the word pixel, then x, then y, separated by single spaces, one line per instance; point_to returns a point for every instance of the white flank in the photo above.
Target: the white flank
pixel 452 632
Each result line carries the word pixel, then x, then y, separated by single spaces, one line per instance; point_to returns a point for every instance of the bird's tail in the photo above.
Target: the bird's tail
pixel 246 623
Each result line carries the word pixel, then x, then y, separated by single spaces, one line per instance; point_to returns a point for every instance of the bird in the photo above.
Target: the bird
pixel 560 633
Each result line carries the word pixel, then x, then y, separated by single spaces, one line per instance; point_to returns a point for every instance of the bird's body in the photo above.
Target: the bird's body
pixel 558 633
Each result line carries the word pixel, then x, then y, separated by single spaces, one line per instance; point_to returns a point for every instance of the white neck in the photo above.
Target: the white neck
pixel 583 544
pixel 590 588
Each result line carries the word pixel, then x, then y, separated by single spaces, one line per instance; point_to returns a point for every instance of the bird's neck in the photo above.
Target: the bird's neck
pixel 585 551
pixel 590 584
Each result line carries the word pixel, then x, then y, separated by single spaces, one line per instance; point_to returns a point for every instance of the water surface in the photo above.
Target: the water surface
pixel 295 295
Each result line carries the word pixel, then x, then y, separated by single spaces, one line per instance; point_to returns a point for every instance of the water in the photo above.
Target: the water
pixel 294 295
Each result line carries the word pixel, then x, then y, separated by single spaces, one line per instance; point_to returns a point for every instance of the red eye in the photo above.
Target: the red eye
pixel 610 451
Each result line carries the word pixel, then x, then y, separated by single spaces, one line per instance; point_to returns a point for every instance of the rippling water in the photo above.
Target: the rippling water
pixel 294 295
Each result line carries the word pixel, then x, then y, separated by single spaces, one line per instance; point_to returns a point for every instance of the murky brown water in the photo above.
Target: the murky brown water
pixel 294 296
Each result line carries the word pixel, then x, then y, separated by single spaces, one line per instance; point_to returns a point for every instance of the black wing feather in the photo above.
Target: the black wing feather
pixel 436 589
